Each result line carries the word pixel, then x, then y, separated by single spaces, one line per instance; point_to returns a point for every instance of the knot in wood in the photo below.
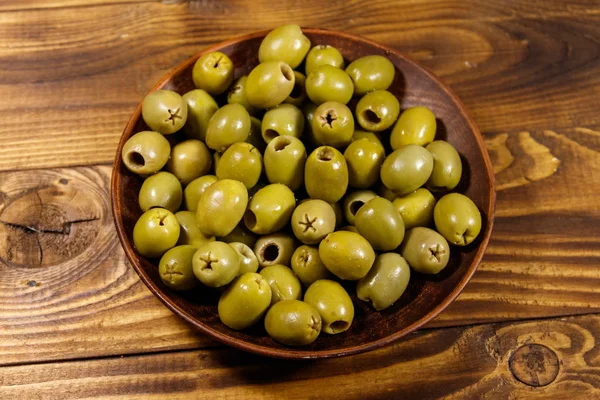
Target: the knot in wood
pixel 534 365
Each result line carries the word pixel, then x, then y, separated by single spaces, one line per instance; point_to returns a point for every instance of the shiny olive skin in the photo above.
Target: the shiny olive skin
pixel 370 73
pixel 213 72
pixel 298 94
pixel 201 107
pixel 364 159
pixel 385 282
pixel 164 111
pixel 416 208
pixel 293 323
pixel 339 214
pixel 248 260
pixel 307 265
pixel 284 160
pixel 160 190
pixel 406 169
pixel 240 234
pixel 347 255
pixel 242 162
pixel 370 136
pixel 189 160
pixel 146 152
pixel 276 248
pixel 378 110
pixel 255 135
pixel 326 174
pixel 332 125
pixel 283 120
pixel 245 301
pixel 323 54
pixel 328 83
pixel 189 230
pixel 354 201
pixel 312 220
pixel 457 218
pixel 379 222
pixel 216 264
pixel 175 268
pixel 237 95
pixel 285 43
pixel 269 84
pixel 447 166
pixel 155 232
pixel 416 125
pixel 270 209
pixel 333 304
pixel 284 284
pixel 194 189
pixel 230 124
pixel 221 207
pixel 425 250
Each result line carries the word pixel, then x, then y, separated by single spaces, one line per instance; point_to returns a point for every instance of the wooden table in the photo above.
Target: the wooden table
pixel 75 320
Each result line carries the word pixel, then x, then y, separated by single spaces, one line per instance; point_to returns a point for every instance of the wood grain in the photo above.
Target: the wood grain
pixel 481 362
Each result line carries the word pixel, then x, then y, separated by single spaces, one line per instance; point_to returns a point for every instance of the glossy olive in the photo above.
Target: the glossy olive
pixel 237 95
pixel 416 208
pixel 326 174
pixel 284 284
pixel 406 169
pixel 378 110
pixel 333 304
pixel 379 222
pixel 425 250
pixel 328 83
pixel 155 232
pixel 416 125
pixel 284 159
pixel 364 159
pixel 230 124
pixel 164 111
pixel 242 162
pixel 323 54
pixel 293 323
pixel 283 120
pixel 201 107
pixel 189 160
pixel 189 230
pixel 213 72
pixel 240 234
pixel 245 301
pixel 175 268
pixel 146 152
pixel 447 166
pixel 285 43
pixel 332 125
pixel 374 137
pixel 370 73
pixel 248 260
pixel 385 282
pixel 216 264
pixel 347 255
pixel 354 201
pixel 194 189
pixel 307 265
pixel 312 221
pixel 276 248
pixel 160 190
pixel 255 135
pixel 221 207
pixel 270 209
pixel 298 94
pixel 457 218
pixel 269 84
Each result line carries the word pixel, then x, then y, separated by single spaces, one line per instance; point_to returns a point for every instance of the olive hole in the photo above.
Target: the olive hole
pixel 338 326
pixel 355 206
pixel 271 252
pixel 297 91
pixel 271 134
pixel 371 117
pixel 136 159
pixel 281 144
pixel 287 72
pixel 325 154
pixel 250 219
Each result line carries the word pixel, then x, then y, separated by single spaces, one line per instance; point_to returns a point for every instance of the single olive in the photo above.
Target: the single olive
pixel 276 248
pixel 354 201
pixel 270 209
pixel 285 43
pixel 230 124
pixel 269 84
pixel 146 152
pixel 164 111
pixel 407 169
pixel 364 159
pixel 298 94
pixel 242 162
pixel 333 304
pixel 374 137
pixel 447 166
pixel 293 323
pixel 457 218
pixel 175 268
pixel 194 189
pixel 283 282
pixel 189 160
pixel 378 110
pixel 285 158
pixel 307 265
pixel 248 260
pixel 332 125
pixel 155 232
pixel 416 125
pixel 255 135
pixel 312 221
pixel 237 95
pixel 328 83
pixel 160 190
pixel 189 230
pixel 416 208
pixel 201 107
pixel 245 301
pixel 283 120
pixel 379 222
pixel 221 207
pixel 425 250
pixel 213 72
pixel 370 73
pixel 346 254
pixel 339 214
pixel 326 174
pixel 240 234
pixel 216 264
pixel 323 54
pixel 385 282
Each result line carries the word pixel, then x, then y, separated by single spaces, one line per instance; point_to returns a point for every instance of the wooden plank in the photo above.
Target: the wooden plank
pixel 522 66
pixel 552 359
pixel 21 5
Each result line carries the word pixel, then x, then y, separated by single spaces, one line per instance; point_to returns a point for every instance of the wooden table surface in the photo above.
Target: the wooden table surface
pixel 75 320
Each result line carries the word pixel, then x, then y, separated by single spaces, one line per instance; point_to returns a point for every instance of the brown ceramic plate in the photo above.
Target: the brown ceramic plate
pixel 425 297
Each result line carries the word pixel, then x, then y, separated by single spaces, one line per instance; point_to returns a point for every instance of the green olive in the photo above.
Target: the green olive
pixel 146 152
pixel 457 218
pixel 378 110
pixel 425 250
pixel 269 84
pixel 312 220
pixel 221 207
pixel 237 95
pixel 216 264
pixel 270 209
pixel 245 301
pixel 350 228
pixel 326 174
pixel 175 268
pixel 298 94
pixel 276 248
pixel 371 136
pixel 255 135
pixel 155 232
pixel 160 190
pixel 379 222
pixel 213 72
pixel 283 282
pixel 354 201
pixel 416 209
pixel 216 159
pixel 447 166
pixel 333 304
pixel 240 234
pixel 194 189
pixel 164 111
pixel 364 159
pixel 328 83
pixel 242 162
pixel 293 323
pixel 189 160
pixel 323 54
pixel 229 124
pixel 387 193
pixel 407 169
pixel 285 43
pixel 189 230
pixel 385 282
pixel 248 260
pixel 332 125
pixel 370 73
pixel 307 265
pixel 339 214
pixel 283 120
pixel 346 254
pixel 285 158
pixel 201 107
pixel 416 125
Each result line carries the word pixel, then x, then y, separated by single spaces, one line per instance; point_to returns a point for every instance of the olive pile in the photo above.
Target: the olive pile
pixel 287 179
